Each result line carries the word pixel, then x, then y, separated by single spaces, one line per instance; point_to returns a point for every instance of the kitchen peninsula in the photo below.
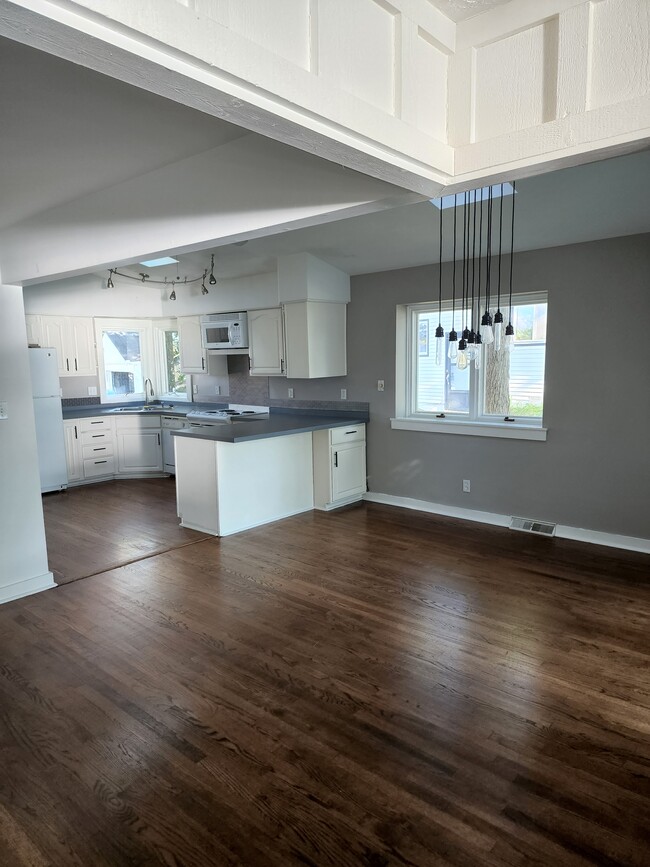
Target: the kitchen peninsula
pixel 233 477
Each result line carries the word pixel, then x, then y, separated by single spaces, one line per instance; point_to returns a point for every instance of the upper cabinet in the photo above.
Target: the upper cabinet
pixel 193 356
pixel 315 334
pixel 266 342
pixel 73 337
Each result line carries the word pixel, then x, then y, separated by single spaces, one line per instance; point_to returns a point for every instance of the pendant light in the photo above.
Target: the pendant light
pixel 487 334
pixel 440 333
pixel 471 340
pixel 462 360
pixel 498 316
pixel 509 339
pixel 478 347
pixel 453 337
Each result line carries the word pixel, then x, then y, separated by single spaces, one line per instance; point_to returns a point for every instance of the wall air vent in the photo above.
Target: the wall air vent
pixel 542 528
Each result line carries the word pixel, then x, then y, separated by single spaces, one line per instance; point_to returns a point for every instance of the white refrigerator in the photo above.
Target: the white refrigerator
pixel 49 419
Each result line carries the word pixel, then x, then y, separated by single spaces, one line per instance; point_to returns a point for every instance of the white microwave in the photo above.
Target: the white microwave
pixel 225 331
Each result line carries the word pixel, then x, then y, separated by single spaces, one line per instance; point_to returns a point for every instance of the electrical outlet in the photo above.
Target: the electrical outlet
pixel 195 389
pixel 92 391
pixel 344 394
pixel 380 385
pixel 466 486
pixel 4 412
pixel 217 389
pixel 290 392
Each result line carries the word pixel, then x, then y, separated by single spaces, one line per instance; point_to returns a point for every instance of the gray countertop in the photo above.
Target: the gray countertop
pixel 99 410
pixel 278 424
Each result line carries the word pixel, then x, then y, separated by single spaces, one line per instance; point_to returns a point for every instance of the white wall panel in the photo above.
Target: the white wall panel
pixel 282 28
pixel 430 93
pixel 357 48
pixel 515 82
pixel 620 62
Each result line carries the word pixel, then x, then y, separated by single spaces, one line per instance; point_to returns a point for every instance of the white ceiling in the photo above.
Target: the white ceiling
pixel 461 10
pixel 96 131
pixel 590 202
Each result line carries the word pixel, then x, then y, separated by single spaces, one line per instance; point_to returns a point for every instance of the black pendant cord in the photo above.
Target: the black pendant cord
pixel 488 253
pixel 500 251
pixel 453 282
pixel 440 270
pixel 480 262
pixel 512 255
pixel 465 246
pixel 473 265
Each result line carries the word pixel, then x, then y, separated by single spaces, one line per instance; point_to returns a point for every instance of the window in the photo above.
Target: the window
pixel 134 350
pixel 508 385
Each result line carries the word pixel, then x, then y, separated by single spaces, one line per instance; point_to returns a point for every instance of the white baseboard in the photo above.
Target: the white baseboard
pixel 595 537
pixel 26 587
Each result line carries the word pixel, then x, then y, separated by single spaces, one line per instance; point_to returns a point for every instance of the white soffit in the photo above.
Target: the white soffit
pixel 461 10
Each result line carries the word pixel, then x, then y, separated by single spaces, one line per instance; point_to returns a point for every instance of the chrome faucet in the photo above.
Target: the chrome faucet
pixel 148 392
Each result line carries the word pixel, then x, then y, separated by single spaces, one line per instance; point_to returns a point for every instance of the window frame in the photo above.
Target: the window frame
pixel 473 422
pixel 160 326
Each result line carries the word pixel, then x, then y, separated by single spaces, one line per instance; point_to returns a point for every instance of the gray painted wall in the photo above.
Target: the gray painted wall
pixel 593 471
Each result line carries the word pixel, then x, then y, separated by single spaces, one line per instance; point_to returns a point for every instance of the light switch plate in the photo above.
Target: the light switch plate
pixel 344 394
pixel 4 412
pixel 92 391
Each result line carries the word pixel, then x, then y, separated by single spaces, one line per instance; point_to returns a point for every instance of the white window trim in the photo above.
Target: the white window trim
pixel 148 363
pixel 159 328
pixel 453 423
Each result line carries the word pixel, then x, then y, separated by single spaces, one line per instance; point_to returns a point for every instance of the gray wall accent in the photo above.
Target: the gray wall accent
pixel 593 471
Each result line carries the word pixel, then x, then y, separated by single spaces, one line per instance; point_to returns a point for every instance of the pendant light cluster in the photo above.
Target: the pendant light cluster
pixel 482 256
pixel 173 283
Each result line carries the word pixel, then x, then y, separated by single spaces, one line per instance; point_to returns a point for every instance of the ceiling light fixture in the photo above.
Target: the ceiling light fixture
pixel 143 277
pixel 109 282
pixel 213 280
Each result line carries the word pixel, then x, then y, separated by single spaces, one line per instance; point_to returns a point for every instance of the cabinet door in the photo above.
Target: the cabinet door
pixel 81 338
pixel 72 440
pixel 34 329
pixel 139 451
pixel 315 334
pixel 193 355
pixel 54 330
pixel 348 470
pixel 266 340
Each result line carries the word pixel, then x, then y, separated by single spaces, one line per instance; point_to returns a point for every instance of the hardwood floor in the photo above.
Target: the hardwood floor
pixel 367 687
pixel 93 528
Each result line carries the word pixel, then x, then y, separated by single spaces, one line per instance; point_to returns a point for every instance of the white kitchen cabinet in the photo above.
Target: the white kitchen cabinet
pixel 339 466
pixel 73 337
pixel 139 445
pixel 266 342
pixel 73 450
pixel 194 357
pixel 315 335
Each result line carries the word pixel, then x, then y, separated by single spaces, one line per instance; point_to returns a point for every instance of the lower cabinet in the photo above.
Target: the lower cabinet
pixel 73 454
pixel 139 445
pixel 339 466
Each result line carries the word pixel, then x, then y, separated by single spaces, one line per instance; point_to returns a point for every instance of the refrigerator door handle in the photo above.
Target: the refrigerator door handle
pixel 67 364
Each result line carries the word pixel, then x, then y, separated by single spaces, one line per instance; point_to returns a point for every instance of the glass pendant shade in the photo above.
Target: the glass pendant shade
pixel 461 359
pixel 440 344
pixel 478 351
pixel 453 346
pixel 498 330
pixel 509 340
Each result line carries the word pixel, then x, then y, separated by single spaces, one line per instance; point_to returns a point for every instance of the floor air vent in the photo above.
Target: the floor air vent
pixel 527 526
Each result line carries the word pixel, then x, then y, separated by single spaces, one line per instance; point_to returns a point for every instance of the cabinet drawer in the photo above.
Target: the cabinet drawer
pixel 98 450
pixel 92 437
pixel 95 424
pixel 99 467
pixel 137 422
pixel 351 434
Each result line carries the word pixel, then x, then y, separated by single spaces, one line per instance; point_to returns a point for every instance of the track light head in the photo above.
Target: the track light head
pixel 213 280
pixel 172 295
pixel 109 282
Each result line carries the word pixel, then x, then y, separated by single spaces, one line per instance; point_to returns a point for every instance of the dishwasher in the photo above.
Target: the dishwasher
pixel 168 423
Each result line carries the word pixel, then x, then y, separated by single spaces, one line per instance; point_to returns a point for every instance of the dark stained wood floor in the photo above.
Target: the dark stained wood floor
pixel 93 528
pixel 368 687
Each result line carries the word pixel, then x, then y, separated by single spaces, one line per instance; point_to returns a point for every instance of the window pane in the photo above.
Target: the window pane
pixel 514 383
pixel 122 363
pixel 174 379
pixel 438 388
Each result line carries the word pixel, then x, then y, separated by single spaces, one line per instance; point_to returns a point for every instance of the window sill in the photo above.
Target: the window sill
pixel 509 430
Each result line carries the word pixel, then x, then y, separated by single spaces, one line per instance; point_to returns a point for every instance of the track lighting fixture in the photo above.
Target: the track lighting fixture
pixel 213 280
pixel 109 282
pixel 172 295
pixel 145 278
pixel 204 288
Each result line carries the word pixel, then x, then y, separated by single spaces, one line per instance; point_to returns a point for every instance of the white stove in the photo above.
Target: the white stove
pixel 225 416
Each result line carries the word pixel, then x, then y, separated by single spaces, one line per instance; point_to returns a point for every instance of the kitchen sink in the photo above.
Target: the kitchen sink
pixel 139 409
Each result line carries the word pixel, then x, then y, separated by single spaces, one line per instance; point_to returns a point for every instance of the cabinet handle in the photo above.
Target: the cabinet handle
pixel 97 422
pixel 67 364
pixel 202 363
pixel 75 432
pixel 158 439
pixel 348 432
pixel 96 436
pixel 75 364
pixel 336 459
pixel 102 449
pixel 101 462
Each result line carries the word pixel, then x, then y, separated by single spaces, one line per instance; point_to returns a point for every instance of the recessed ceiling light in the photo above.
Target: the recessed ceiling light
pixel 482 194
pixel 154 263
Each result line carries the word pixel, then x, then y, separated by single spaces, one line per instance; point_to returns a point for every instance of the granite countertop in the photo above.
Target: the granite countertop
pixel 278 424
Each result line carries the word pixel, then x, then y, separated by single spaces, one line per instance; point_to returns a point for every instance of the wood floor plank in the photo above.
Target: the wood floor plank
pixel 367 687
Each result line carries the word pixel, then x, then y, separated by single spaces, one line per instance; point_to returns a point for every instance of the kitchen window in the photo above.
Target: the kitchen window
pixel 504 397
pixel 130 351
